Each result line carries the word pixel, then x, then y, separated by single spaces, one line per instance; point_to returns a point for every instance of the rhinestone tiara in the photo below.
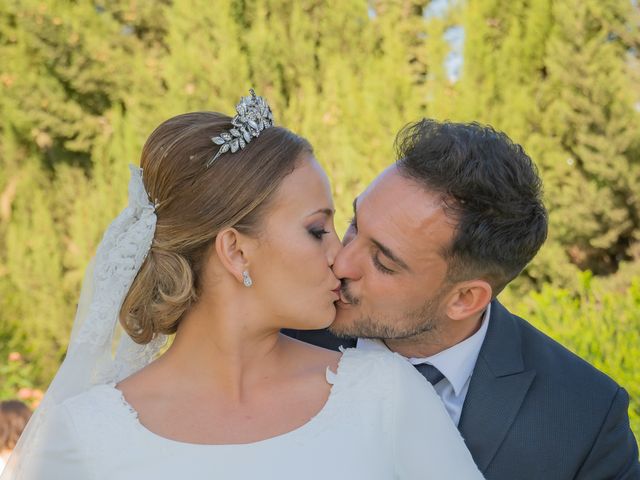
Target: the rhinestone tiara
pixel 253 116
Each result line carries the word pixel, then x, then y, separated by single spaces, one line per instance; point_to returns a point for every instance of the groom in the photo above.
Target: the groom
pixel 433 240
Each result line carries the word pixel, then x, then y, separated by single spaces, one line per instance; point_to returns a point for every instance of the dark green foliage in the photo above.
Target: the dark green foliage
pixel 561 78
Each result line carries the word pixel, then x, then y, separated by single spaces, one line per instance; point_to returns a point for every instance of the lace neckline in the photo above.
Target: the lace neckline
pixel 316 423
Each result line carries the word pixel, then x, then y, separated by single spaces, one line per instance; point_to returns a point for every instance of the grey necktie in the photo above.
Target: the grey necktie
pixel 431 373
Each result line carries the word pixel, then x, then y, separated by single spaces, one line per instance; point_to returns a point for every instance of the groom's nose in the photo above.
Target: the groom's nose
pixel 345 265
pixel 349 235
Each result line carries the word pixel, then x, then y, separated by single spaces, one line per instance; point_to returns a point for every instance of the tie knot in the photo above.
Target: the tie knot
pixel 431 373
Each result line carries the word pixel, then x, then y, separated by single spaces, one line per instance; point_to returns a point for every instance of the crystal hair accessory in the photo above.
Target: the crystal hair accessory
pixel 254 115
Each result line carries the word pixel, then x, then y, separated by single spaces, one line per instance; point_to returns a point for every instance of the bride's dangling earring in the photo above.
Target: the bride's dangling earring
pixel 246 279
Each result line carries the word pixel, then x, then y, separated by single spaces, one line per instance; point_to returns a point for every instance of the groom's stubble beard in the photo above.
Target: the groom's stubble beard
pixel 422 321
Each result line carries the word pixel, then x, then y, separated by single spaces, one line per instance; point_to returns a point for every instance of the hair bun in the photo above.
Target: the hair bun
pixel 162 292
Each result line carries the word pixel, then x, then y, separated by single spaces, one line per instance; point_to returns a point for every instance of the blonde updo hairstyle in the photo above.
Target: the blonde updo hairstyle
pixel 194 203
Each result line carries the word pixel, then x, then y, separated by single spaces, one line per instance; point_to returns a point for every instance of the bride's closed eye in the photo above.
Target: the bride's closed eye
pixel 318 232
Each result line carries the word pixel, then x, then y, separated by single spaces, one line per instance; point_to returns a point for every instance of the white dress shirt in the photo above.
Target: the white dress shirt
pixel 456 363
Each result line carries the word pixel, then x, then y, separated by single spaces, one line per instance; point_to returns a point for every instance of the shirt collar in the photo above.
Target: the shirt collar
pixel 456 363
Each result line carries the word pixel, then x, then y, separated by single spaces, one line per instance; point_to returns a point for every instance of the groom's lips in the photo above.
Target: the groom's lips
pixel 343 300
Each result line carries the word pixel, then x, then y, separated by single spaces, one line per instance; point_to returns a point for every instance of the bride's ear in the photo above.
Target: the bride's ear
pixel 233 249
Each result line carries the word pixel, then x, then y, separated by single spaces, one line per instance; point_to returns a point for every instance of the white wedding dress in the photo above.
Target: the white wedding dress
pixel 382 421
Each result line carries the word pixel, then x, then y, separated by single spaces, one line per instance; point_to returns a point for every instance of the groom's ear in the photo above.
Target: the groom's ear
pixel 468 299
pixel 232 249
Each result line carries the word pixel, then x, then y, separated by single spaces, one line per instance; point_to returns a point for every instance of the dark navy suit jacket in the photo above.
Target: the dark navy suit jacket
pixel 534 410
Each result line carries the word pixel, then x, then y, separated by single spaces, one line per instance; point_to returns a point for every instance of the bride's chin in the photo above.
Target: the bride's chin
pixel 328 320
pixel 317 322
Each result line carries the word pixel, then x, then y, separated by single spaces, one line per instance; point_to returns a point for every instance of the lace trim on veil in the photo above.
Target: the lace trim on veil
pixel 90 359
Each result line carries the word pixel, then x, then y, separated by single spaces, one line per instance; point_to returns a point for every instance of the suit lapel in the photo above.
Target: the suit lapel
pixel 498 387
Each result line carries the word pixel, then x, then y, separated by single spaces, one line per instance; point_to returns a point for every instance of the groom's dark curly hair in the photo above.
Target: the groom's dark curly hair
pixel 490 188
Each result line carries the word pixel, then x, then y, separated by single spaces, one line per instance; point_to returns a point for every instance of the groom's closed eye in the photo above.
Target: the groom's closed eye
pixel 379 249
pixel 386 252
pixel 381 268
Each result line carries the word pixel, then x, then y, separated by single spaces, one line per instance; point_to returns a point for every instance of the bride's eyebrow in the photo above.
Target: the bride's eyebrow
pixel 327 211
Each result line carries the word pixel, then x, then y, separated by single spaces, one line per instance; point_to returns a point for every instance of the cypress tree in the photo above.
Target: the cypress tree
pixel 587 135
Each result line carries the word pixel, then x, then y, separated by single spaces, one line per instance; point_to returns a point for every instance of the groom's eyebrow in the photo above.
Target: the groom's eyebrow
pixel 386 251
pixel 354 206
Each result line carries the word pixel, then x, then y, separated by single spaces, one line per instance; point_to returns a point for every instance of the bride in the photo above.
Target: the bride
pixel 228 238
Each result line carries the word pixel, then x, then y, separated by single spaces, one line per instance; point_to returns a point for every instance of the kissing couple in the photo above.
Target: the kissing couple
pixel 294 355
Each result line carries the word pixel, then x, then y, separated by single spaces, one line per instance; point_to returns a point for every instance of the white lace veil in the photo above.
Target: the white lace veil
pixel 90 358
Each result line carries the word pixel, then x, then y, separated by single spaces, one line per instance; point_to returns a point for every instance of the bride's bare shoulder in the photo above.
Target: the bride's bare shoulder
pixel 144 386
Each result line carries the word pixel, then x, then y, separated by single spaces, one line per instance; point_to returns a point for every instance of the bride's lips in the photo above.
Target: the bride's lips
pixel 337 292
